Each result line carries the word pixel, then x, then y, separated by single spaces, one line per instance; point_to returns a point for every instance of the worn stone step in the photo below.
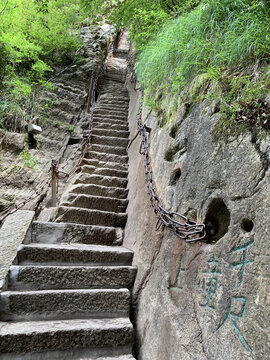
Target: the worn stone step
pixel 108 99
pixel 54 233
pixel 77 77
pixel 114 106
pixel 73 254
pixel 108 120
pixel 100 125
pixel 122 95
pixel 111 132
pixel 90 217
pixel 119 117
pixel 63 116
pixel 123 54
pixel 103 156
pixel 37 336
pixel 113 88
pixel 96 202
pixel 63 304
pixel 109 141
pixel 100 168
pixel 110 113
pixel 110 181
pixel 105 164
pixel 80 90
pixel 116 77
pixel 68 106
pixel 70 277
pixel 115 150
pixel 113 75
pixel 99 190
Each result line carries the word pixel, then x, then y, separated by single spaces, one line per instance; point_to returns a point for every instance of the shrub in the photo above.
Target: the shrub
pixel 217 35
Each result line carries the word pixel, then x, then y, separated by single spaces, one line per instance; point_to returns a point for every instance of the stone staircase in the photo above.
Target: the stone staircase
pixel 68 293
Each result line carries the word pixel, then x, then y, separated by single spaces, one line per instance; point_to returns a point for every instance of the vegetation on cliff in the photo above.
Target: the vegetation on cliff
pixel 189 50
pixel 34 37
pixel 225 43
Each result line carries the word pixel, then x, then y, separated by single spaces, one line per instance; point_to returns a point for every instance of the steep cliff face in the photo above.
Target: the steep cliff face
pixel 201 300
pixel 61 112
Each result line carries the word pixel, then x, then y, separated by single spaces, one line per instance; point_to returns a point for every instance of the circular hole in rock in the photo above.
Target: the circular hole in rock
pixel 217 220
pixel 247 225
pixel 175 176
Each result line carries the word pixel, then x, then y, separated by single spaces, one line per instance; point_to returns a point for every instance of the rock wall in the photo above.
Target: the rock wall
pixel 62 119
pixel 208 299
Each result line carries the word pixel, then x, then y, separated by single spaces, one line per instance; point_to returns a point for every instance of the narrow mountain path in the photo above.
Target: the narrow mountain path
pixel 68 296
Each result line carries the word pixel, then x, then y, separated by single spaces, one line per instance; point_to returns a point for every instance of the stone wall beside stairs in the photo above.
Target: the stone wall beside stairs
pixel 209 299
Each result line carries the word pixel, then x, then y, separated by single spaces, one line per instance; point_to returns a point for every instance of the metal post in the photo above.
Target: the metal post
pixel 90 100
pixel 54 182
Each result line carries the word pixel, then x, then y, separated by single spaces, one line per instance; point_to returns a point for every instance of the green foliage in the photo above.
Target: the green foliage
pixel 70 128
pixel 143 18
pixel 178 6
pixel 64 125
pixel 223 40
pixel 34 35
pixel 28 160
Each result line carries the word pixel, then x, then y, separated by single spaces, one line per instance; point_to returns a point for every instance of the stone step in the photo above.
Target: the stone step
pixel 105 164
pixel 110 113
pixel 112 122
pixel 109 99
pixel 122 95
pixel 103 156
pixel 109 181
pixel 113 80
pixel 70 277
pixel 98 169
pixel 90 217
pixel 63 304
pixel 73 254
pixel 119 117
pixel 112 93
pixel 115 150
pixel 114 106
pixel 62 116
pixel 111 132
pixel 96 203
pixel 109 141
pixel 121 54
pixel 37 336
pixel 113 75
pixel 99 190
pixel 107 126
pixel 68 106
pixel 79 89
pixel 54 233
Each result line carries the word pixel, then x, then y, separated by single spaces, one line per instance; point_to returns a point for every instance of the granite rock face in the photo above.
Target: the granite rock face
pixel 201 300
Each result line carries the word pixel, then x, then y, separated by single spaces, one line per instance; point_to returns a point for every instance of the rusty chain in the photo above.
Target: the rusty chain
pixel 184 227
